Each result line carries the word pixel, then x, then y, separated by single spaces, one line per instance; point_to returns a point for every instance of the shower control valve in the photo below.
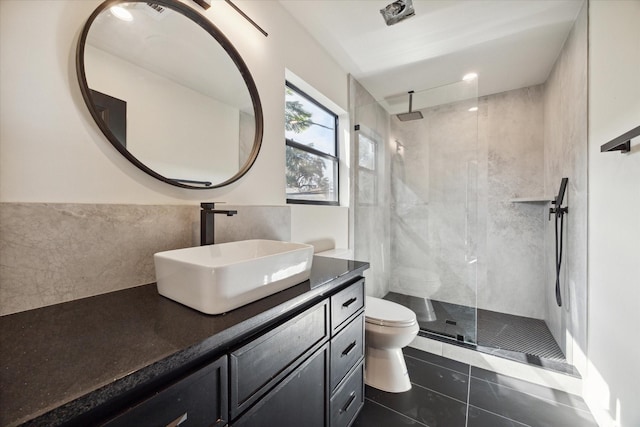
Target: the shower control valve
pixel 557 211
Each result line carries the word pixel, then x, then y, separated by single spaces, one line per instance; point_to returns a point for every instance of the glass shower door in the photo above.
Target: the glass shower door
pixel 432 207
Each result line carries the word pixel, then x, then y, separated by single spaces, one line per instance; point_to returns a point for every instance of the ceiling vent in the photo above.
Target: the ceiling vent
pixel 398 11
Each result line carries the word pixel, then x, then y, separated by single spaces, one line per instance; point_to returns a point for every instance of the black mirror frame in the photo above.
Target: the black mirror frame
pixel 210 28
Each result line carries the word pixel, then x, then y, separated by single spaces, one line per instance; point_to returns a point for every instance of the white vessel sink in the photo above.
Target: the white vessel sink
pixel 218 278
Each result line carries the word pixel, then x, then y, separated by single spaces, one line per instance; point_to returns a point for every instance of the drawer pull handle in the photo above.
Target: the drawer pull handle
pixel 348 349
pixel 175 423
pixel 345 408
pixel 349 302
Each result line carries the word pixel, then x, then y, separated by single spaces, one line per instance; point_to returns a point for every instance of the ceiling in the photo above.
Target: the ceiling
pixel 510 44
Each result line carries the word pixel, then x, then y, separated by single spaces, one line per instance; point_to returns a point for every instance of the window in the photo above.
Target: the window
pixel 367 182
pixel 311 148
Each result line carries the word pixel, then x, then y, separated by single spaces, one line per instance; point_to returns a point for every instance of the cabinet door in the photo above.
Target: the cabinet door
pixel 197 400
pixel 301 399
pixel 262 363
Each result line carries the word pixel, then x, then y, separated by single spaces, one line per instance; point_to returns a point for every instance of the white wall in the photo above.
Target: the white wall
pixel 613 371
pixel 324 227
pixel 53 152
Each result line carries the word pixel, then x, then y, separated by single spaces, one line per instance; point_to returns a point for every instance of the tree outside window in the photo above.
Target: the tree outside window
pixel 311 150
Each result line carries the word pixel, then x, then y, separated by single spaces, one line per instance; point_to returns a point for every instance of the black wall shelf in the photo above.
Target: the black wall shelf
pixel 621 143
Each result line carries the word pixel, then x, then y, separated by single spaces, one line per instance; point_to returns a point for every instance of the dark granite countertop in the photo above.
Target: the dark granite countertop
pixel 60 361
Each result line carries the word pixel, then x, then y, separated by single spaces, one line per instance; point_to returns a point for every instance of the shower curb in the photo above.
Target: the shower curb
pixel 535 374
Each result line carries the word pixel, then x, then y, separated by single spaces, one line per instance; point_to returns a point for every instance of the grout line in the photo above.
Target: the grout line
pixel 533 395
pixel 519 380
pixel 437 392
pixel 399 413
pixel 466 417
pixel 435 364
pixel 529 373
pixel 501 416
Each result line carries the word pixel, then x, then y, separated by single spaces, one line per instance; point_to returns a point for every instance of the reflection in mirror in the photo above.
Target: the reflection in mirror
pixel 177 102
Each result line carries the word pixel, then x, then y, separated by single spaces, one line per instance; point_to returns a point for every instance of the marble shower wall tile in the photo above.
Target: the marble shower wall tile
pixel 512 125
pixel 566 156
pixel 52 253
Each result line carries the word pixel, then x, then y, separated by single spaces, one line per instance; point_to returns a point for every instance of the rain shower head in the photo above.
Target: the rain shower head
pixel 398 11
pixel 411 115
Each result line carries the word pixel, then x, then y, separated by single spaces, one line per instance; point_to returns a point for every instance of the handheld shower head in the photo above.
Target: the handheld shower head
pixel 560 197
pixel 411 115
pixel 559 212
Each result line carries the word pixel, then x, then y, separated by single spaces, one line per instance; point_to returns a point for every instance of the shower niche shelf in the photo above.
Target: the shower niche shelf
pixel 540 199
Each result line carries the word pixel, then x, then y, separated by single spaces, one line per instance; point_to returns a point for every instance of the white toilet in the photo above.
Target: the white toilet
pixel 388 328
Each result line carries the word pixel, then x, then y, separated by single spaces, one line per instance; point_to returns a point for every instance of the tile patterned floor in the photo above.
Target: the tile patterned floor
pixel 518 338
pixel 497 330
pixel 448 393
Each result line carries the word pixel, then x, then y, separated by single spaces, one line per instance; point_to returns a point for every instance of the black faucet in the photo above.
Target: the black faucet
pixel 206 222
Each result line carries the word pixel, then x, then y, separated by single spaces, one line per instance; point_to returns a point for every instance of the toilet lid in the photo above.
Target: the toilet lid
pixel 387 313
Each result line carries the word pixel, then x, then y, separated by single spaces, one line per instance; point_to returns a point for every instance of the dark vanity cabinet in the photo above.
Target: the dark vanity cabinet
pixel 307 370
pixel 279 367
pixel 135 358
pixel 200 399
pixel 299 400
pixel 346 380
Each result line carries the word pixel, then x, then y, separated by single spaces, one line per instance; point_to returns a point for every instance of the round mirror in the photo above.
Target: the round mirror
pixel 170 92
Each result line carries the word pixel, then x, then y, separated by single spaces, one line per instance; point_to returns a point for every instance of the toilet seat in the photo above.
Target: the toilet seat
pixel 387 313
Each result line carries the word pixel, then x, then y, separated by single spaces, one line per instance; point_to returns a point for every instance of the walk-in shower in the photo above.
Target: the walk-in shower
pixel 441 212
pixel 416 204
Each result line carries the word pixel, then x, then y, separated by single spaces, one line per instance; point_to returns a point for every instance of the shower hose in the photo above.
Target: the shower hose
pixel 559 215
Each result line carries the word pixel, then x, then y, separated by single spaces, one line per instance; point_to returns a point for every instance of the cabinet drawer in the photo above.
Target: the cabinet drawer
pixel 259 365
pixel 299 400
pixel 348 400
pixel 346 303
pixel 197 400
pixel 347 348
